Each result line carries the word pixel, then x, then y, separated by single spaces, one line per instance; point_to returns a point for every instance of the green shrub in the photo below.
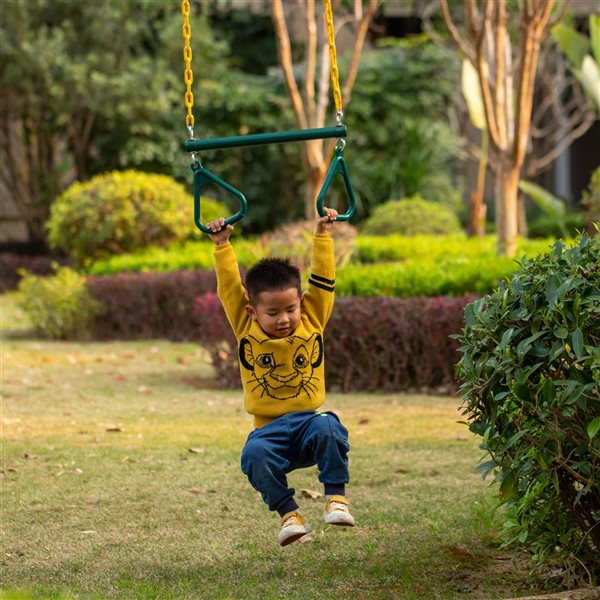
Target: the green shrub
pixel 408 266
pixel 370 249
pixel 530 373
pixel 121 212
pixel 59 306
pixel 411 216
pixel 545 226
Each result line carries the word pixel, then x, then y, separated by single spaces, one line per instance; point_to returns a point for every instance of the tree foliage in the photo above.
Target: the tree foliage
pixel 401 143
pixel 87 87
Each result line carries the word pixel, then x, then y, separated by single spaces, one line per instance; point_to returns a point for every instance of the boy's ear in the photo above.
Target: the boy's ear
pixel 251 312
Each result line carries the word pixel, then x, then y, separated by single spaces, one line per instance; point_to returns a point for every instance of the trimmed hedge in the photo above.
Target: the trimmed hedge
pixel 118 212
pixel 411 216
pixel 420 266
pixel 149 305
pixel 394 344
pixel 12 265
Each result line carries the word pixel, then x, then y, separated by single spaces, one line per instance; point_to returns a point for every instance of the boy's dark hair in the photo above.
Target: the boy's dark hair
pixel 270 275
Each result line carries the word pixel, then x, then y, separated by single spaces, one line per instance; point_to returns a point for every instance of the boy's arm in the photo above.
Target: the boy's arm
pixel 317 302
pixel 230 290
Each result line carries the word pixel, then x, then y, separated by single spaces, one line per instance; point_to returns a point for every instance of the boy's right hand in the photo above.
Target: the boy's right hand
pixel 220 234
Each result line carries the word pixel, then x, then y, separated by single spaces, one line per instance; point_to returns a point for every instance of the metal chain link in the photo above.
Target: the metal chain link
pixel 335 74
pixel 188 76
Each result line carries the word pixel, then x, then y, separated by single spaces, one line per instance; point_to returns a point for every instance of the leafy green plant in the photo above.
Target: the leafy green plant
pixel 552 206
pixel 530 372
pixel 544 226
pixel 402 142
pixel 411 216
pixel 59 306
pixel 583 55
pixel 119 212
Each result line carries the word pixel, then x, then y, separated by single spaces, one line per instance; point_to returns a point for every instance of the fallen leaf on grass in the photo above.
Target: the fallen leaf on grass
pixel 363 421
pixel 196 450
pixel 114 429
pixel 460 552
pixel 311 494
pixel 195 490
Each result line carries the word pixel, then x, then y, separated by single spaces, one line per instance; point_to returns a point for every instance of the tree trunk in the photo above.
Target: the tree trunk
pixel 522 216
pixel 507 188
pixel 316 176
pixel 478 213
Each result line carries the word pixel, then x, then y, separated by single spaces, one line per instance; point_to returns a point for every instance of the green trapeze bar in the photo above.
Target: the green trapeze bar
pixel 255 139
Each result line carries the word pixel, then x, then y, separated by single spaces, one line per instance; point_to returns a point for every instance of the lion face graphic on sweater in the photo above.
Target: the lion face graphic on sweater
pixel 283 368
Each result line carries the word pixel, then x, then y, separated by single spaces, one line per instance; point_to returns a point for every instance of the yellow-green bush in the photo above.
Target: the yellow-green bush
pixel 59 306
pixel 411 216
pixel 122 212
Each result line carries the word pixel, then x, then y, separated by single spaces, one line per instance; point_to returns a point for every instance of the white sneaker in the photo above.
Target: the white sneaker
pixel 337 512
pixel 293 527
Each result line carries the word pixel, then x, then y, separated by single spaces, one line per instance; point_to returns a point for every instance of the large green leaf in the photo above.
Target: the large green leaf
pixel 471 89
pixel 589 76
pixel 572 43
pixel 553 206
pixel 595 36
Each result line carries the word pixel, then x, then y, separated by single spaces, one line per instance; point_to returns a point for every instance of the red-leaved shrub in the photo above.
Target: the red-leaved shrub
pixel 150 305
pixel 384 344
pixel 12 264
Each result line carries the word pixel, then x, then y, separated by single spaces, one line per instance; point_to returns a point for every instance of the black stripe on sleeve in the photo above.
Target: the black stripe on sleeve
pixel 327 288
pixel 322 279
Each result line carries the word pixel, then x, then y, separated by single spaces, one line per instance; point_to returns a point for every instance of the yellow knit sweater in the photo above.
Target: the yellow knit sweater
pixel 280 375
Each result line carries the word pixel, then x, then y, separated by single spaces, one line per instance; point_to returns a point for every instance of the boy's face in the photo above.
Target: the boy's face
pixel 278 312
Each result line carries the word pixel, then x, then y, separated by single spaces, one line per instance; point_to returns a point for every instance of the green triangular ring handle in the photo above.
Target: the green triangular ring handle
pixel 338 165
pixel 203 177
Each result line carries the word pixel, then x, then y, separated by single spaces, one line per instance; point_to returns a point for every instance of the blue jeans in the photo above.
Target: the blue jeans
pixel 294 441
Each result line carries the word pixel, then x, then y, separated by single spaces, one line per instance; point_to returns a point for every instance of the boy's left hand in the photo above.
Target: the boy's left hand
pixel 324 223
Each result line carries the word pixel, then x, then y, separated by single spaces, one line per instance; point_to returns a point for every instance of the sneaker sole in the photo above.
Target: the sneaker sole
pixel 340 521
pixel 295 536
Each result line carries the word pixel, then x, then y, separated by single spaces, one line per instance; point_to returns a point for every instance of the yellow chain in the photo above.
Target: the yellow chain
pixel 335 74
pixel 188 76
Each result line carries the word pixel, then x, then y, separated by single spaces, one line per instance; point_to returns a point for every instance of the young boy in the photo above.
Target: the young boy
pixel 280 342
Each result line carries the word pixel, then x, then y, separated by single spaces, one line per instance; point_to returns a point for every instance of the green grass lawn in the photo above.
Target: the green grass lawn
pixel 121 479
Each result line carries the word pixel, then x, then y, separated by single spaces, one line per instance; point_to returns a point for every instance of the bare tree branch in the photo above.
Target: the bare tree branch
pixel 466 48
pixel 311 59
pixel 285 58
